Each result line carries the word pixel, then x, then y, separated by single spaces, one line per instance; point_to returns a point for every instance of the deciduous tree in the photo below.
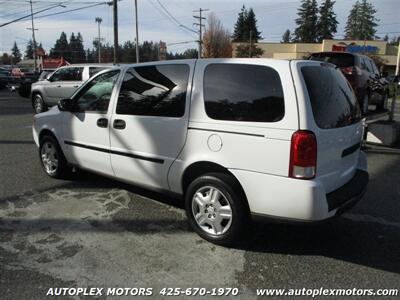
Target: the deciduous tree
pixel 216 39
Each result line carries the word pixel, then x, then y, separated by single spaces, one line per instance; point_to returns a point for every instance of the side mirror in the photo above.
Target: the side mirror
pixel 65 105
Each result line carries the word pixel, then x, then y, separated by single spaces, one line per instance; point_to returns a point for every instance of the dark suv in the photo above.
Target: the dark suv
pixel 368 84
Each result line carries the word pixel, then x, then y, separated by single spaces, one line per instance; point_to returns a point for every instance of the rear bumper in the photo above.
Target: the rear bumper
pixel 349 194
pixel 274 197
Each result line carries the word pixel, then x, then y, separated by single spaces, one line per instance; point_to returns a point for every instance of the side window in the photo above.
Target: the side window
pixel 368 66
pixel 73 74
pixel 373 67
pixel 68 74
pixel 237 92
pixel 57 75
pixel 95 70
pixel 157 90
pixel 95 96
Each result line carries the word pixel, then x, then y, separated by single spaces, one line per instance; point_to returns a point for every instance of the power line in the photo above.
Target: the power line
pixel 165 12
pixel 71 10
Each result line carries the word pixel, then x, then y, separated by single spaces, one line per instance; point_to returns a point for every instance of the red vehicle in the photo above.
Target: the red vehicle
pixel 368 84
pixel 17 72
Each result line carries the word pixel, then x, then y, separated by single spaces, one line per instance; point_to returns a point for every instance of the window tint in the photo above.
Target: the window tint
pixel 342 60
pixel 68 74
pixel 332 98
pixel 238 92
pixel 158 90
pixel 95 70
pixel 95 96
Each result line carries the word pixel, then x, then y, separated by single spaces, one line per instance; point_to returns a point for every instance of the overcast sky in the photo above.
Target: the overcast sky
pixel 273 16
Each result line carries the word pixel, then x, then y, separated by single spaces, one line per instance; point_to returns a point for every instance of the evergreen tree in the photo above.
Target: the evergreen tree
pixel 306 30
pixel 286 36
pixel 386 38
pixel 71 55
pixel 29 50
pixel 327 23
pixel 238 32
pixel 361 22
pixel 61 47
pixel 251 26
pixel 16 54
pixel 245 24
pixel 6 59
pixel 80 50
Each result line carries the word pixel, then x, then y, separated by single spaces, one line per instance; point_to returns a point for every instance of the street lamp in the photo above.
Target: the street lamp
pixel 98 21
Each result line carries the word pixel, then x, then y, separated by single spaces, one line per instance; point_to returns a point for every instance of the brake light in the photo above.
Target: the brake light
pixel 348 70
pixel 303 155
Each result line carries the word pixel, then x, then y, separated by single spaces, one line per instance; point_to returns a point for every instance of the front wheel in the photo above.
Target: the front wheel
pixel 38 104
pixel 216 209
pixel 52 158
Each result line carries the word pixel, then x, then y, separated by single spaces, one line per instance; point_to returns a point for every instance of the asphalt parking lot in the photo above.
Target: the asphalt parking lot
pixel 94 232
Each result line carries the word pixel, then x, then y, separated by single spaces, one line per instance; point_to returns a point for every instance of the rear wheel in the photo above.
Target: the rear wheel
pixel 52 158
pixel 38 104
pixel 216 209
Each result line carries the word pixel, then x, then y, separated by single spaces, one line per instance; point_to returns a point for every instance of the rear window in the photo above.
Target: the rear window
pixel 332 99
pixel 238 92
pixel 342 60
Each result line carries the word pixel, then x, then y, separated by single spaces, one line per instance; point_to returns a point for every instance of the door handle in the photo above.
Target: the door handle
pixel 76 86
pixel 58 85
pixel 102 122
pixel 119 124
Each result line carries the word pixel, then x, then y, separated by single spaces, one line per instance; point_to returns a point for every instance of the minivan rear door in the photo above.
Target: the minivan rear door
pixel 328 107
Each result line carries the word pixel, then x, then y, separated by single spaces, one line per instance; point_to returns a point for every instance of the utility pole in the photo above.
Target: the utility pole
pixel 98 21
pixel 115 17
pixel 33 38
pixel 250 44
pixel 201 25
pixel 137 33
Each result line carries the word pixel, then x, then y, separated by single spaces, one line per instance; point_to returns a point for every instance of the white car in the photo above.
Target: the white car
pixel 62 83
pixel 234 137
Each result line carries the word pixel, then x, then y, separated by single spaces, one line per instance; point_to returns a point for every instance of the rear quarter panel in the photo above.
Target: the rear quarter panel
pixel 262 147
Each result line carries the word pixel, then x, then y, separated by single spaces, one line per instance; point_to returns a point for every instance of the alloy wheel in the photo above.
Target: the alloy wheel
pixel 211 210
pixel 49 157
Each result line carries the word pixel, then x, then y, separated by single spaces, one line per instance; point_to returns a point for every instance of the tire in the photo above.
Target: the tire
pixel 38 104
pixel 383 104
pixel 219 226
pixel 52 158
pixel 364 107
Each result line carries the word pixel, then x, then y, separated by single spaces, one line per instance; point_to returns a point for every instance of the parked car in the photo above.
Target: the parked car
pixel 234 137
pixel 4 77
pixel 61 84
pixel 24 88
pixel 368 84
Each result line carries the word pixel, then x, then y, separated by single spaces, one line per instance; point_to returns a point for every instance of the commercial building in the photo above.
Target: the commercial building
pixel 381 49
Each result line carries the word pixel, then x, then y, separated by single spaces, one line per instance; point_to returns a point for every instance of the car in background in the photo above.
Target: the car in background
pixel 4 77
pixel 360 70
pixel 61 84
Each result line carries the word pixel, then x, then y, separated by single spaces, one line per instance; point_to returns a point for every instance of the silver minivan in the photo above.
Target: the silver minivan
pixel 62 84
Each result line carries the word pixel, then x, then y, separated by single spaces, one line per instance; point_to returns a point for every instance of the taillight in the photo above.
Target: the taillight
pixel 303 155
pixel 348 70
